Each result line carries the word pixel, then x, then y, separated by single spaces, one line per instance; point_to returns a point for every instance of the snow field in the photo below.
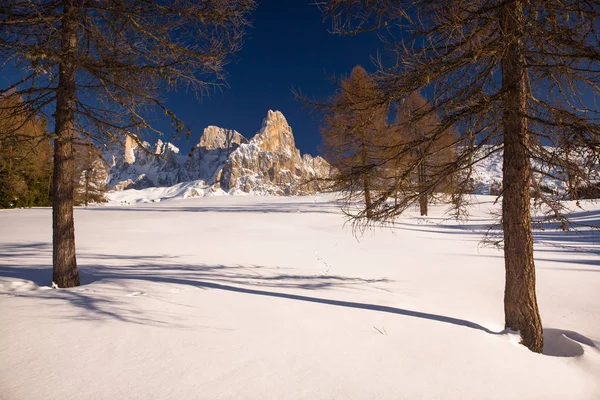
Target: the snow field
pixel 273 298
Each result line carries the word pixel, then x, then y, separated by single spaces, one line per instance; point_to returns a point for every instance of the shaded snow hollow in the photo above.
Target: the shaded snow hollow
pixel 273 298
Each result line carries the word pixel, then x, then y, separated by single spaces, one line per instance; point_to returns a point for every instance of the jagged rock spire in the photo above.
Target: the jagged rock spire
pixel 276 134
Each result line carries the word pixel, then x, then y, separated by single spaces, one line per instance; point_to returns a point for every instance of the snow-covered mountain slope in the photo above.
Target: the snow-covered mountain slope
pixel 222 161
pixel 139 165
pixel 487 173
pixel 183 190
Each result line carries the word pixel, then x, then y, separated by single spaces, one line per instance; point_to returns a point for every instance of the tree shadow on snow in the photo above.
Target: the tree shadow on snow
pixel 562 343
pixel 262 208
pixel 92 303
pixel 583 235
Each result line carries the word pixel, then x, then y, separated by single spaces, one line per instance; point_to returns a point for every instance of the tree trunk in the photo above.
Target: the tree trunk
pixel 64 262
pixel 573 195
pixel 396 184
pixel 421 179
pixel 87 187
pixel 571 186
pixel 366 182
pixel 368 202
pixel 520 304
pixel 423 204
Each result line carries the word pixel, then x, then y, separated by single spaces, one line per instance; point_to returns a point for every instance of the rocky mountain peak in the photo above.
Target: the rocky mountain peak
pixel 163 148
pixel 129 151
pixel 275 135
pixel 214 137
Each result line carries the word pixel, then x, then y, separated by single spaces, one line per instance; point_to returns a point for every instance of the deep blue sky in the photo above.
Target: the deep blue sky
pixel 288 46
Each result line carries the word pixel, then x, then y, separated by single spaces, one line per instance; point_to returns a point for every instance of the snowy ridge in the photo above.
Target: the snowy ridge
pixel 487 174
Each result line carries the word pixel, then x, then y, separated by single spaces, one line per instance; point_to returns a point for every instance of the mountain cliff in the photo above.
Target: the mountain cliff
pixel 222 161
pixel 271 163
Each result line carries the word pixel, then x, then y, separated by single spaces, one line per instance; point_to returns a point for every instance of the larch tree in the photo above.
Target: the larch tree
pixel 350 131
pixel 424 154
pixel 574 164
pixel 25 157
pixel 91 174
pixel 95 68
pixel 508 74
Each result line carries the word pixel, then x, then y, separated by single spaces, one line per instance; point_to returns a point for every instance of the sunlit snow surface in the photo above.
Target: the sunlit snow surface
pixel 254 297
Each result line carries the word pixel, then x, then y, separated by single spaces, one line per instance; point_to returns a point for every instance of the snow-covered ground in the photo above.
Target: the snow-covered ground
pixel 273 298
pixel 182 190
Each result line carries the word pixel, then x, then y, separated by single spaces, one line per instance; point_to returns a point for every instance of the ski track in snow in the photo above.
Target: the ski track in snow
pixel 255 297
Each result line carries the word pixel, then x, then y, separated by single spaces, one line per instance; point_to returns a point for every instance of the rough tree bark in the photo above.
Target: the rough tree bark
pixel 422 182
pixel 520 304
pixel 368 201
pixel 87 187
pixel 571 185
pixel 64 261
pixel 396 185
pixel 366 180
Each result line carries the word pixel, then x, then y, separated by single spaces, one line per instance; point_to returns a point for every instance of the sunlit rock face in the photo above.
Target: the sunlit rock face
pixel 129 151
pixel 276 135
pixel 138 165
pixel 269 163
pixel 220 138
pixel 207 158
